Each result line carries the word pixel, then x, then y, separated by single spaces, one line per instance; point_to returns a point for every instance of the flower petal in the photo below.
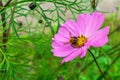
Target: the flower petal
pixel 63 51
pixel 64 31
pixel 72 55
pixel 98 20
pixel 99 38
pixel 100 42
pixel 94 23
pixel 71 27
pixel 82 21
pixel 61 38
pixel 83 51
pixel 57 44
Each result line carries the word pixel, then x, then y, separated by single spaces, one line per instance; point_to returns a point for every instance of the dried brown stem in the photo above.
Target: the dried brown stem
pixel 3 17
pixel 4 24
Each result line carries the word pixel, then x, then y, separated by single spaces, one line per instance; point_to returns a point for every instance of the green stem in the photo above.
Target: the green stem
pixel 108 67
pixel 97 64
pixel 5 31
pixel 8 3
pixel 110 51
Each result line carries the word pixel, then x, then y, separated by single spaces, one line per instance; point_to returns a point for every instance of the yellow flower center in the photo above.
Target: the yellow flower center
pixel 78 41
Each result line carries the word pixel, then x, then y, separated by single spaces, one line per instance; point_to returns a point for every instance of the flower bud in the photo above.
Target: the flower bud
pixel 40 21
pixel 32 6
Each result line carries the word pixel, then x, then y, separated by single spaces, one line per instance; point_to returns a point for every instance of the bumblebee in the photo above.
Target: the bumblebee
pixel 78 42
pixel 73 41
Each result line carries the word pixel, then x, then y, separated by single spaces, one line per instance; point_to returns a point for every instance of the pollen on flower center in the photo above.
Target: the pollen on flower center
pixel 78 42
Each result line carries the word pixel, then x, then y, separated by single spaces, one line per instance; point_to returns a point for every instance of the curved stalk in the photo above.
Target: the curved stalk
pixel 97 64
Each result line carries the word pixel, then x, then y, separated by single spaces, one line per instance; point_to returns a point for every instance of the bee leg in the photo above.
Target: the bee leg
pixel 70 34
pixel 67 43
pixel 73 45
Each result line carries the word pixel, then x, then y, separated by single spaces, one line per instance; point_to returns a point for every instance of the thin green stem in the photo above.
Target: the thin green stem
pixel 5 32
pixel 109 52
pixel 8 3
pixel 108 67
pixel 97 64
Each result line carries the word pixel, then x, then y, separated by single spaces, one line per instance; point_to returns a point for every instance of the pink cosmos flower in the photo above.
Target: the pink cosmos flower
pixel 74 38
